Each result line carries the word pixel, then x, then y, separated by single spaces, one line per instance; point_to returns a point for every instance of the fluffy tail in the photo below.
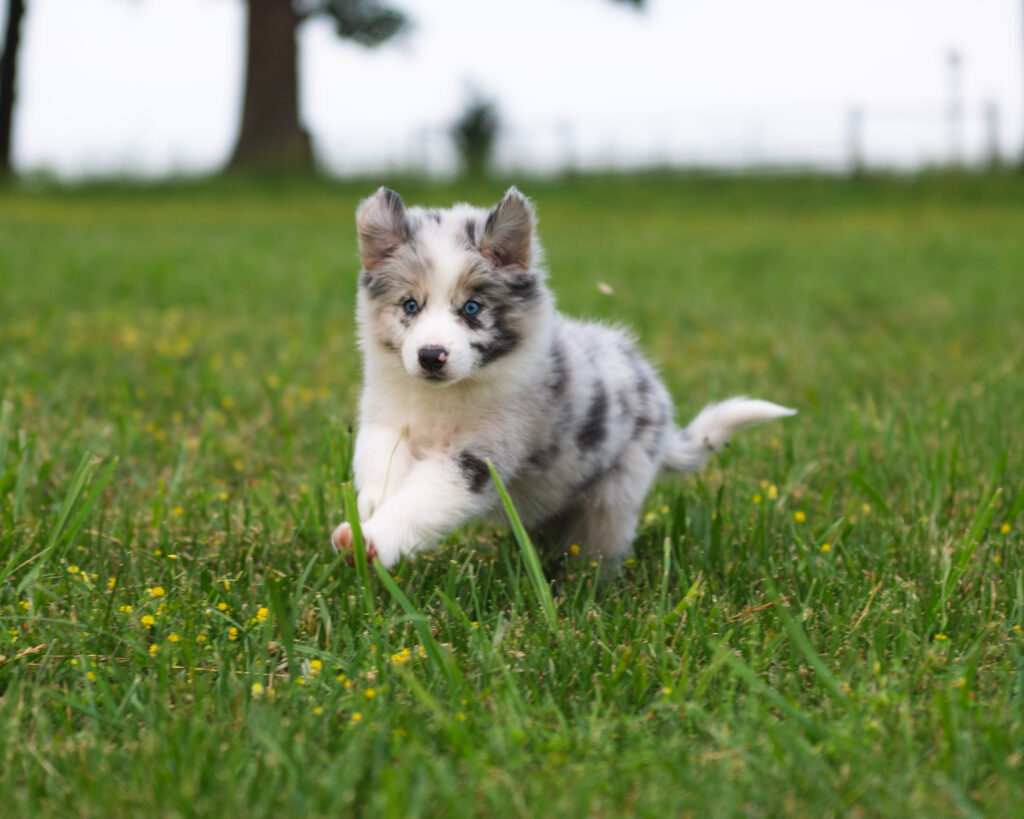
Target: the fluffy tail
pixel 691 447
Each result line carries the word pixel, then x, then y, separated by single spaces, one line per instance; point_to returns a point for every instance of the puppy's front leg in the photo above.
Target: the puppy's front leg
pixel 439 494
pixel 380 464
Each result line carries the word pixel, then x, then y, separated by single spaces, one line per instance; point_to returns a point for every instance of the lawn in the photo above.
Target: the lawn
pixel 827 620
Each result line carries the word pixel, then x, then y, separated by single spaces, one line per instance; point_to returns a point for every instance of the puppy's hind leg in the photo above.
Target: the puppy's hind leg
pixel 604 518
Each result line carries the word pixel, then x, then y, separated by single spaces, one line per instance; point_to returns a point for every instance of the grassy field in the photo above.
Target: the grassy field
pixel 825 621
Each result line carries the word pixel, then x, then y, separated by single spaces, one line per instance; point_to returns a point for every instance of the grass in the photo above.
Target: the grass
pixel 827 620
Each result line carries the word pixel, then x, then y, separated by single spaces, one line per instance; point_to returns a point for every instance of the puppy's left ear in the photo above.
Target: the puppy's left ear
pixel 382 227
pixel 508 233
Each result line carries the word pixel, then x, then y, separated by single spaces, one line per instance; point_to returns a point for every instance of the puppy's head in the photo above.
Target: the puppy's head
pixel 447 292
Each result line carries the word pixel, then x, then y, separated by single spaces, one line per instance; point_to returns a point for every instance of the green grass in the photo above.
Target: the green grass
pixel 826 620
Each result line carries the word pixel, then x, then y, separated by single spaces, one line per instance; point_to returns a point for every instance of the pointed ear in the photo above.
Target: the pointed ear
pixel 508 233
pixel 382 227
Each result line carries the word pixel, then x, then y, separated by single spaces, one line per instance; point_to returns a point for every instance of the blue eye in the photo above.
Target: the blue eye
pixel 411 307
pixel 471 308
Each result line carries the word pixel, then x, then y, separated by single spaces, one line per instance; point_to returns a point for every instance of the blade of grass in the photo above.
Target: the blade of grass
pixel 541 590
pixel 422 626
pixel 348 497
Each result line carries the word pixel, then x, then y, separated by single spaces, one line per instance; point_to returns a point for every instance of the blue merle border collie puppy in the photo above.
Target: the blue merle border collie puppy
pixel 467 361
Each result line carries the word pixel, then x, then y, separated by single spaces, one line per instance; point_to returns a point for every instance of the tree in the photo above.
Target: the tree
pixel 8 79
pixel 272 135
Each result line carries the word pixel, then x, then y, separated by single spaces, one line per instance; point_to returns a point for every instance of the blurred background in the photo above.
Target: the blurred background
pixel 157 88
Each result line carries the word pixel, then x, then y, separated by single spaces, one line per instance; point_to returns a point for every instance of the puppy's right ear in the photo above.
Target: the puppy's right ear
pixel 382 227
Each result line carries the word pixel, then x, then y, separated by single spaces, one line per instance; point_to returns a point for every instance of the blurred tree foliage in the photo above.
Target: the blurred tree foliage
pixel 474 133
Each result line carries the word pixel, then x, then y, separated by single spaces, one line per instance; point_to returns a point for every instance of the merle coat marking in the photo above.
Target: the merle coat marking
pixel 573 417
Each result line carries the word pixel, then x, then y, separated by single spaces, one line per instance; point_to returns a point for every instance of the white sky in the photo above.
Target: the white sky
pixel 154 86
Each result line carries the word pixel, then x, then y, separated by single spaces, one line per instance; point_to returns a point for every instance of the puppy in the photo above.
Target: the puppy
pixel 466 361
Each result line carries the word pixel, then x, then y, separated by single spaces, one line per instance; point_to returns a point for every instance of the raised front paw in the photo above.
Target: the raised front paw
pixel 341 540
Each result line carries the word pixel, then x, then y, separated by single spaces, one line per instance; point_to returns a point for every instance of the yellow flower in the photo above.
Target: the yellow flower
pixel 756 498
pixel 201 638
pixel 650 517
pixel 232 634
pixel 177 510
pixel 74 662
pixel 172 557
pixel 72 569
pixel 91 676
pixel 125 609
pixel 370 693
pixel 773 492
pixel 666 690
pixel 225 583
pixel 799 517
pixel 1005 529
pixel 222 606
pixel 25 604
pixel 261 614
pixel 158 552
pixel 1017 629
pixel 317 710
pixel 174 638
pixel 356 717
pixel 111 583
pixel 257 690
pixel 315 667
pixel 664 510
pixel 461 717
pixel 866 508
pixel 148 619
pixel 157 591
pixel 574 549
pixel 997 560
pixel 474 624
pixel 340 678
pixel 941 637
pixel 826 547
pixel 153 649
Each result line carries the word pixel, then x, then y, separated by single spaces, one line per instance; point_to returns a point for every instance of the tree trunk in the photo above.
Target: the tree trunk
pixel 8 72
pixel 271 137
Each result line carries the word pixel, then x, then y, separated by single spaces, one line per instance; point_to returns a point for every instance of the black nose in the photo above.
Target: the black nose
pixel 432 358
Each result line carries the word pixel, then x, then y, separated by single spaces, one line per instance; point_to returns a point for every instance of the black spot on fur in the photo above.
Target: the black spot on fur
pixel 524 288
pixel 503 340
pixel 474 471
pixel 558 379
pixel 375 285
pixel 471 232
pixel 545 456
pixel 594 429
